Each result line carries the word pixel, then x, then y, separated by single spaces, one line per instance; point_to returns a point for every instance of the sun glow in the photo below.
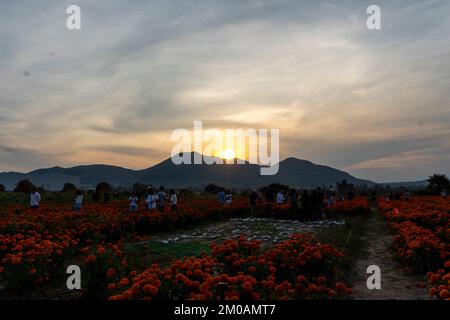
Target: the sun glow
pixel 228 154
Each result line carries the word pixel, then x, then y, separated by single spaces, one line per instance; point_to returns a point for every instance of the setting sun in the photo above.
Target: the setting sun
pixel 228 154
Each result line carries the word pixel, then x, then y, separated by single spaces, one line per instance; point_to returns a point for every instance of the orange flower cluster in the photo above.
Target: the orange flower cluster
pixel 299 268
pixel 35 243
pixel 356 206
pixel 440 282
pixel 422 241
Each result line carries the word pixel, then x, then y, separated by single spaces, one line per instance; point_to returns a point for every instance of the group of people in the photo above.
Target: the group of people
pixel 225 197
pixel 397 195
pixel 306 204
pixel 155 200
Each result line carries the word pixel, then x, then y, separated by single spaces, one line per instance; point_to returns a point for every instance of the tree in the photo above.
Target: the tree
pixel 437 183
pixel 2 188
pixel 344 186
pixel 139 189
pixel 69 187
pixel 103 187
pixel 212 188
pixel 24 186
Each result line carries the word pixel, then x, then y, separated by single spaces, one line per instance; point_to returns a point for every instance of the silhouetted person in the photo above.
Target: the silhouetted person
pixel 350 195
pixel 374 196
pixel 173 200
pixel 106 197
pixel 306 204
pixel 221 197
pixel 293 201
pixel 161 199
pixel 253 198
pixel 95 197
pixel 270 196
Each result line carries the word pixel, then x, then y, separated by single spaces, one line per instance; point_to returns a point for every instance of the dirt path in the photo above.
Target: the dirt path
pixel 396 283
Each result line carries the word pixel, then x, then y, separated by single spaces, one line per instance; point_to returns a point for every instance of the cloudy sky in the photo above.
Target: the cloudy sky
pixel 375 103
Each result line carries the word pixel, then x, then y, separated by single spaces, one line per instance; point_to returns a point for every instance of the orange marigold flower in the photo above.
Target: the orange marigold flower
pixel 340 286
pixel 124 282
pixel 432 292
pixel 149 289
pixel 247 286
pixel 322 280
pixel 444 294
pixel 111 272
pixel 111 286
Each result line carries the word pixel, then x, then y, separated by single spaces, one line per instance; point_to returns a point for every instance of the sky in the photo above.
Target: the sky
pixel 375 103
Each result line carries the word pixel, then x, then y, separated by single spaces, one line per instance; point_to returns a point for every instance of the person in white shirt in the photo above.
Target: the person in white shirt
pixel 151 199
pixel 229 198
pixel 173 200
pixel 280 198
pixel 133 200
pixel 78 201
pixel 35 199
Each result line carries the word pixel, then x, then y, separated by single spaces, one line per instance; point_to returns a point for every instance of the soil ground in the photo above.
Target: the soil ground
pixel 396 282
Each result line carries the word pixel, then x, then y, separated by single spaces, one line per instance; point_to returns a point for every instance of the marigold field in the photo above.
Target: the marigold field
pixel 422 238
pixel 36 246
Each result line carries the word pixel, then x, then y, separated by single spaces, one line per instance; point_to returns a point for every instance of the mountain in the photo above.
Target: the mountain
pixel 93 174
pixel 50 181
pixel 292 171
pixel 302 173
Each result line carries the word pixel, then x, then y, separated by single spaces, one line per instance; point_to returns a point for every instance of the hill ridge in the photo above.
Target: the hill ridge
pixel 292 171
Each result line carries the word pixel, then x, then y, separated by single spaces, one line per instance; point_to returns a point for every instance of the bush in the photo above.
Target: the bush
pixel 24 186
pixel 69 187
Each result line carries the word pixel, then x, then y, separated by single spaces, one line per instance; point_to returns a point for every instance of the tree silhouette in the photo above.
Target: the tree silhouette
pixel 24 186
pixel 69 187
pixel 437 183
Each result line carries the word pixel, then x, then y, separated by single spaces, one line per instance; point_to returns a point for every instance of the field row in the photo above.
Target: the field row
pixel 36 245
pixel 422 238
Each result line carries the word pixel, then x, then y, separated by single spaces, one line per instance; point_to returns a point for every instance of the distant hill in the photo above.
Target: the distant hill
pixel 406 184
pixel 50 181
pixel 293 172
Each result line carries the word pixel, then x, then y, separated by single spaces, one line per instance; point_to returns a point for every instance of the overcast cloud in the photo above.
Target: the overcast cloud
pixel 374 103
